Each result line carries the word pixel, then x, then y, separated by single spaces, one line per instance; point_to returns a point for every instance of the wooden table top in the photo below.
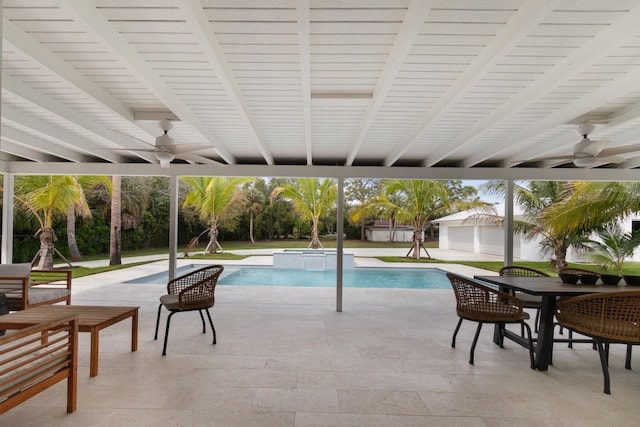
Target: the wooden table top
pixel 89 315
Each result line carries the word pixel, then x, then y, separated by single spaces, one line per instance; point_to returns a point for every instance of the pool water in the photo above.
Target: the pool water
pixel 408 278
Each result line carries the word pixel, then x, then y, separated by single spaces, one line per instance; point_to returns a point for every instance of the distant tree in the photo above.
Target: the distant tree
pixel 358 192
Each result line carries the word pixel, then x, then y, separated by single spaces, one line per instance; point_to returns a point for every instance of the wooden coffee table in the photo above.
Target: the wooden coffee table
pixel 91 319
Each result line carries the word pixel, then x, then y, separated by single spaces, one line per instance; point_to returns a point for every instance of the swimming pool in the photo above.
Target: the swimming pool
pixel 359 277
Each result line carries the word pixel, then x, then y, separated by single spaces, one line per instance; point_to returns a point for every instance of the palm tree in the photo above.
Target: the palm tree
pixel 216 199
pixel 253 206
pixel 612 247
pixel 538 199
pixel 311 199
pixel 591 205
pixel 115 231
pixel 415 202
pixel 47 197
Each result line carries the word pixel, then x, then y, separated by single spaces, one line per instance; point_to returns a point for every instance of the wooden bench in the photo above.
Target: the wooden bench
pixel 35 358
pixel 16 283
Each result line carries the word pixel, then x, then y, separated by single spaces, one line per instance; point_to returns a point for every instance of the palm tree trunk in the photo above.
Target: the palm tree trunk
pixel 315 240
pixel 251 227
pixel 115 247
pixel 74 251
pixel 560 252
pixel 213 237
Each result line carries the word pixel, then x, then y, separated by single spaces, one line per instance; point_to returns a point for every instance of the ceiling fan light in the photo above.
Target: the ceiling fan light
pixel 585 162
pixel 164 158
pixel 164 141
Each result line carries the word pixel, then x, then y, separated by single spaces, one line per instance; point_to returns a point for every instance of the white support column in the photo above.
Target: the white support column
pixel 508 222
pixel 7 219
pixel 173 225
pixel 339 244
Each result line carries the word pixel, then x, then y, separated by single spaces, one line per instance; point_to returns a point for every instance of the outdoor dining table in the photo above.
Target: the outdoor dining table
pixel 549 288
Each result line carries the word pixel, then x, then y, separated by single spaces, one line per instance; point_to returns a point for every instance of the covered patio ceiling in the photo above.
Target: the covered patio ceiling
pixel 345 88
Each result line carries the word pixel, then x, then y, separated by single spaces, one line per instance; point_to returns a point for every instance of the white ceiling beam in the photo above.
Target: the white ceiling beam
pixel 626 29
pixel 24 152
pixel 39 99
pixel 528 16
pixel 137 169
pixel 208 39
pixel 86 14
pixel 40 145
pixel 304 49
pixel 46 131
pixel 409 29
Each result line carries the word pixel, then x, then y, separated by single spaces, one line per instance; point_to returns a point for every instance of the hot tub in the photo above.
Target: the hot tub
pixel 311 259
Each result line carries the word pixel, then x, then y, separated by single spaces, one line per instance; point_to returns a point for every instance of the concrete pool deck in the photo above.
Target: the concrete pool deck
pixel 285 357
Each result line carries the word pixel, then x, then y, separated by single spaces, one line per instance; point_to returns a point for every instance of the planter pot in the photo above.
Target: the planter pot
pixel 632 280
pixel 610 279
pixel 569 278
pixel 589 279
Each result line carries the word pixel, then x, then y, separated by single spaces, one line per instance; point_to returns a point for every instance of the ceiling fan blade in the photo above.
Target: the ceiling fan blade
pixel 198 159
pixel 594 148
pixel 133 137
pixel 187 148
pixel 544 159
pixel 619 150
pixel 141 150
pixel 612 159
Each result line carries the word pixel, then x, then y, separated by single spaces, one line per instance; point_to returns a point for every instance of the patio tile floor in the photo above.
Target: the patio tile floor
pixel 285 357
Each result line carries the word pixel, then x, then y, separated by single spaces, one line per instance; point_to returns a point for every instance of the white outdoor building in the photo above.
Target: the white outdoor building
pixel 379 232
pixel 461 232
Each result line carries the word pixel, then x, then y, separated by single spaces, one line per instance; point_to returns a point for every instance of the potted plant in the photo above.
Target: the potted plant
pixel 610 249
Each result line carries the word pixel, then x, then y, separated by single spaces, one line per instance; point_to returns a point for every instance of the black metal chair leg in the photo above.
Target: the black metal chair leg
pixel 155 337
pixel 605 368
pixel 453 340
pixel 531 356
pixel 212 328
pixel 204 329
pixel 475 340
pixel 501 329
pixel 166 334
pixel 627 361
pixel 536 325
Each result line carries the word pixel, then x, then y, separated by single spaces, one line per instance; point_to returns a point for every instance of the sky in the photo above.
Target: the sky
pixel 483 196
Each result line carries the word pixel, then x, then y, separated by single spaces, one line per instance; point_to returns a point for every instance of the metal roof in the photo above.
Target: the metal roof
pixel 387 88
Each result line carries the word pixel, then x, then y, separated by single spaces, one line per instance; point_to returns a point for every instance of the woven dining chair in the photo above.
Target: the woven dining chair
pixel 529 301
pixel 190 292
pixel 482 304
pixel 606 317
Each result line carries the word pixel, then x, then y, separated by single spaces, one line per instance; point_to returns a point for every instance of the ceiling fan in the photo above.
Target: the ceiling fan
pixel 165 149
pixel 588 152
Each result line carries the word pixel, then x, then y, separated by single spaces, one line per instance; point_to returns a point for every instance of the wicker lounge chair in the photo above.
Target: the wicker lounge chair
pixel 529 301
pixel 190 292
pixel 606 317
pixel 482 304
